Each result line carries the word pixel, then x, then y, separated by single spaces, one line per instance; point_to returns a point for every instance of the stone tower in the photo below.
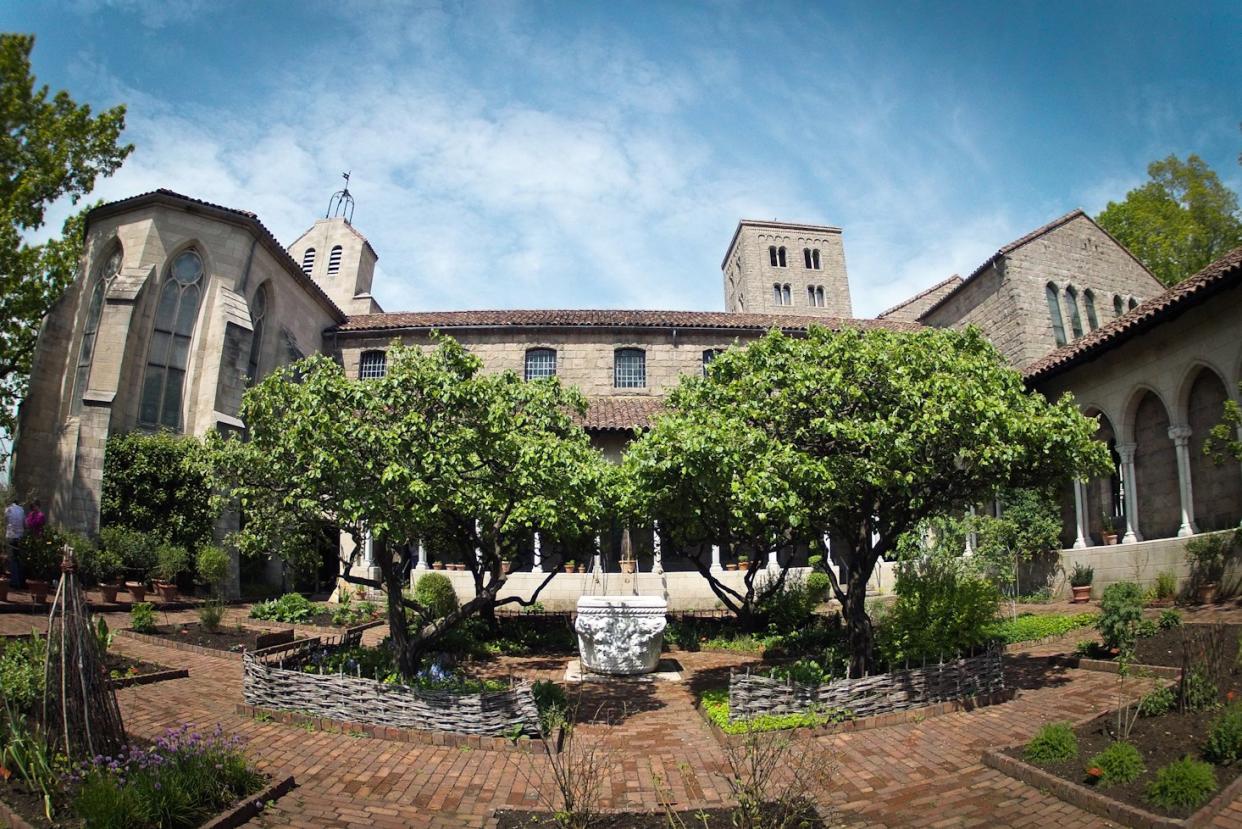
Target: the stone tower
pixel 341 261
pixel 783 268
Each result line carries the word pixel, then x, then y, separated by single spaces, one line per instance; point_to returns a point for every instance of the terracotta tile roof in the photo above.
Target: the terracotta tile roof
pixel 621 414
pixel 251 220
pixel 953 280
pixel 579 318
pixel 1221 275
pixel 1022 240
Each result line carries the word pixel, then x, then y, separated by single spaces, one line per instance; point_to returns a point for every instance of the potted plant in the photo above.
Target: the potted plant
pixel 628 565
pixel 581 568
pixel 1080 582
pixel 731 566
pixel 137 551
pixel 41 556
pixel 106 567
pixel 171 561
pixel 1108 527
pixel 1206 554
pixel 437 565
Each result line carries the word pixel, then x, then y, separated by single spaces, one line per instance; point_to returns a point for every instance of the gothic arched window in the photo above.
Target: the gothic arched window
pixel 1088 298
pixel 1071 296
pixel 258 313
pixel 90 327
pixel 1054 311
pixel 169 351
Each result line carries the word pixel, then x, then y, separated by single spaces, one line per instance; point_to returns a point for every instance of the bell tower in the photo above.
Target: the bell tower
pixel 338 257
pixel 785 268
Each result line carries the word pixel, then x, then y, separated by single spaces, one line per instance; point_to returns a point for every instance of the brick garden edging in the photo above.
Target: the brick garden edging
pixel 1108 666
pixel 1100 804
pixel 524 744
pixel 278 637
pixel 147 679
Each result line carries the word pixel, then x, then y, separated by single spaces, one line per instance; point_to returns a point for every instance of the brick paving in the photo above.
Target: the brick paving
pixel 924 773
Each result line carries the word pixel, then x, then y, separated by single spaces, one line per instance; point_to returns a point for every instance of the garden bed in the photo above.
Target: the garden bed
pixel 229 640
pixel 1163 653
pixel 707 818
pixel 125 671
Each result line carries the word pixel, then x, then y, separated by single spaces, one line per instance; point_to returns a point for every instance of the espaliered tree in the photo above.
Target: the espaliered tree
pixel 854 435
pixel 407 456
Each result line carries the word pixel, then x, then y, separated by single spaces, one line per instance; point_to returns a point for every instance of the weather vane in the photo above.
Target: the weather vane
pixel 342 203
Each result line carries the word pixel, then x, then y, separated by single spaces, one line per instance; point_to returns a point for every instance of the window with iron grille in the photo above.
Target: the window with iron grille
pixel 372 365
pixel 540 363
pixel 629 369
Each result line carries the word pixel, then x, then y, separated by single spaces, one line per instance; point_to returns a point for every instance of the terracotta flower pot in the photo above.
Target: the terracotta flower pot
pixel 137 590
pixel 109 591
pixel 439 565
pixel 627 566
pixel 1207 593
pixel 730 566
pixel 38 590
pixel 1110 538
pixel 1081 593
pixel 580 569
pixel 167 591
pixel 504 568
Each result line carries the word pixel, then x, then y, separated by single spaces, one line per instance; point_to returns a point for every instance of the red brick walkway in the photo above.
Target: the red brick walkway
pixel 918 774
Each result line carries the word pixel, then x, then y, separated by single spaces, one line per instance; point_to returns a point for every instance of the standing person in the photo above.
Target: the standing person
pixel 35 519
pixel 14 530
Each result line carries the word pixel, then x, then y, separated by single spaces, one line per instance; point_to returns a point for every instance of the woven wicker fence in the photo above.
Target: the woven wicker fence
pixel 273 678
pixel 751 695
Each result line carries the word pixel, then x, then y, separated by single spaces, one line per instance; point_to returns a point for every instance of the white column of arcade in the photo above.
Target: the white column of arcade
pixel 537 564
pixel 1180 436
pixel 1080 515
pixel 1130 500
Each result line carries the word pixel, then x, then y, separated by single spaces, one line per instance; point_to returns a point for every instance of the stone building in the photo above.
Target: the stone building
pixel 181 304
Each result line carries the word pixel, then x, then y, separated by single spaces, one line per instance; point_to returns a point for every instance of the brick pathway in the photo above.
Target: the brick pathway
pixel 918 774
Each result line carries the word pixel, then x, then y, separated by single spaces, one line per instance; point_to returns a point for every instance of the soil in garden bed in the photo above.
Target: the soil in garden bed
pixel 696 818
pixel 1167 646
pixel 121 667
pixel 28 803
pixel 1160 741
pixel 233 638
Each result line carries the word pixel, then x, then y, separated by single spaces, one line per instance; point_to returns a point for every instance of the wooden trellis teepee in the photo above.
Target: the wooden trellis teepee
pixel 80 715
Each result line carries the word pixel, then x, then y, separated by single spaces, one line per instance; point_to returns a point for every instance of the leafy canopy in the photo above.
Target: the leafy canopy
pixel 50 147
pixel 160 484
pixel 1178 222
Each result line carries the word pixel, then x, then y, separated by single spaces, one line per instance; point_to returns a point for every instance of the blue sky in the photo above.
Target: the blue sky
pixel 599 155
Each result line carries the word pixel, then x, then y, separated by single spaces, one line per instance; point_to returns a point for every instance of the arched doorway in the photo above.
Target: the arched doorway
pixel 1217 489
pixel 1155 470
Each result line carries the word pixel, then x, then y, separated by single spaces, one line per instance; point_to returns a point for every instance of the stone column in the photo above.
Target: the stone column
pixel 1180 435
pixel 1080 515
pixel 422 556
pixel 970 535
pixel 1129 499
pixel 597 560
pixel 368 557
pixel 537 564
pixel 716 568
pixel 657 557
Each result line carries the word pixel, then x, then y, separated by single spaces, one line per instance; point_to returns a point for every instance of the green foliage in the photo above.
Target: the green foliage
pixel 851 431
pixel 137 550
pixel 103 636
pixel 1119 763
pixel 1147 628
pixel 1051 744
pixel 1207 554
pixel 1082 575
pixel 1178 222
pixel 212 564
pixel 41 554
pixel 21 672
pixel 50 148
pixel 1166 585
pixel 943 609
pixel 158 484
pixel 1157 702
pixel 171 560
pixel 1030 627
pixel 1169 619
pixel 142 617
pixel 377 663
pixel 1182 784
pixel 1224 743
pixel 1029 526
pixel 347 614
pixel 1198 692
pixel 715 704
pixel 102 565
pixel 210 613
pixel 817 586
pixel 551 701
pixel 803 672
pixel 24 753
pixel 1121 608
pixel 291 608
pixel 434 591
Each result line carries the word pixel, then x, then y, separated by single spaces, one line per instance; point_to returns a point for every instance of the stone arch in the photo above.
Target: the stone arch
pixel 1155 468
pixel 1217 489
pixel 1103 493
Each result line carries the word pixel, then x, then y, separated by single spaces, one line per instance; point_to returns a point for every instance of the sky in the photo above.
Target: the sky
pixel 599 155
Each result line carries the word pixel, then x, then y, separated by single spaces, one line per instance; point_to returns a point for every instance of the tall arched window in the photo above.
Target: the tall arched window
pixel 1093 320
pixel 372 365
pixel 1118 307
pixel 308 261
pixel 786 295
pixel 772 255
pixel 810 295
pixel 776 292
pixel 629 368
pixel 540 363
pixel 780 256
pixel 819 295
pixel 169 351
pixel 1054 311
pixel 334 260
pixel 90 327
pixel 806 258
pixel 1071 297
pixel 815 258
pixel 258 313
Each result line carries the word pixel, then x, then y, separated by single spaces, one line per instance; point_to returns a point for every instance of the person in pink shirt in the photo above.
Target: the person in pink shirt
pixel 35 519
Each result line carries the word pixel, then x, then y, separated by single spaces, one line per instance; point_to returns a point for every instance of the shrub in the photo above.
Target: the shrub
pixel 135 549
pixel 1082 575
pixel 818 585
pixel 1157 702
pixel 1182 784
pixel 1166 585
pixel 21 672
pixel 142 617
pixel 210 613
pixel 171 561
pixel 1198 692
pixel 1147 628
pixel 790 607
pixel 212 564
pixel 1170 619
pixel 1119 763
pixel 41 554
pixel 158 484
pixel 1224 743
pixel 942 609
pixel 291 608
pixel 1121 609
pixel 435 592
pixel 1051 744
pixel 102 565
pixel 1207 553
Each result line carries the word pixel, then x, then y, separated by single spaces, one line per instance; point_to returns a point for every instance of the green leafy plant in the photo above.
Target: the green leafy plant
pixel 1207 553
pixel 817 585
pixel 434 591
pixel 291 608
pixel 158 484
pixel 210 614
pixel 103 636
pixel 137 550
pixel 24 752
pixel 551 701
pixel 1182 784
pixel 1119 763
pixel 1170 619
pixel 103 565
pixel 171 560
pixel 1157 702
pixel 1121 609
pixel 212 565
pixel 1030 627
pixel 1224 743
pixel 942 609
pixel 715 704
pixel 21 672
pixel 1166 585
pixel 1198 693
pixel 1051 744
pixel 1082 575
pixel 142 617
pixel 1147 628
pixel 42 554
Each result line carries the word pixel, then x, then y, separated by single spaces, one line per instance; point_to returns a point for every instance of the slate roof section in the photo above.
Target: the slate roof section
pixel 621 414
pixel 1221 275
pixel 588 318
pixel 242 217
pixel 953 280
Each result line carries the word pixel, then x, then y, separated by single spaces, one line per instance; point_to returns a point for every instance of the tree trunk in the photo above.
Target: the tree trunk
pixel 406 649
pixel 860 634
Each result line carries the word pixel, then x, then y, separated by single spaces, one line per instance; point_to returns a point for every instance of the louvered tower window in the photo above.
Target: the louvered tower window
pixel 334 260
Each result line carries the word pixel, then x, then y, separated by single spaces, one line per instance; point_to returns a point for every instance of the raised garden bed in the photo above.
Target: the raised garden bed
pixel 1162 655
pixel 706 818
pixel 125 671
pixel 229 640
